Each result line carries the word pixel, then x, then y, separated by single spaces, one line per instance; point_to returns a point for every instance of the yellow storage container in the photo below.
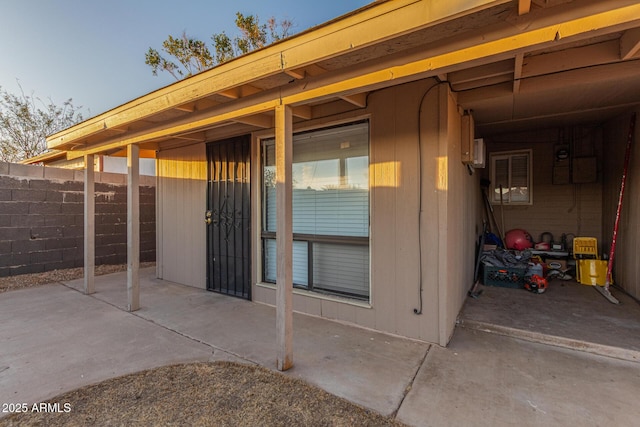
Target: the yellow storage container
pixel 585 247
pixel 592 272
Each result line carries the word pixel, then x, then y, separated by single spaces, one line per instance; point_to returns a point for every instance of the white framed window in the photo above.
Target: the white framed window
pixel 330 210
pixel 512 171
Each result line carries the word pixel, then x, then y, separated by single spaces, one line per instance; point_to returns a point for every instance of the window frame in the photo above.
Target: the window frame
pixel 500 155
pixel 264 235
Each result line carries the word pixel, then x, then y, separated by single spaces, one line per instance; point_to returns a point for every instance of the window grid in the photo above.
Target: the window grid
pixel 512 170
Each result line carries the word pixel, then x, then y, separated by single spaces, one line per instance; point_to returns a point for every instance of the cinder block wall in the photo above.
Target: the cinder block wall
pixel 41 219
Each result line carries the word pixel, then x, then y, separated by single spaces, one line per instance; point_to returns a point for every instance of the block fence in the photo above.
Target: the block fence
pixel 42 220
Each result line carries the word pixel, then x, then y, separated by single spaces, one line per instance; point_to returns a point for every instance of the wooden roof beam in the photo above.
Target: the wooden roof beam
pixel 119 129
pixel 240 91
pixel 303 112
pixel 630 44
pixel 259 120
pixel 510 42
pixel 563 60
pixel 310 70
pixel 189 107
pixel 357 99
pixel 298 74
pixel 482 72
pixel 524 7
pixel 199 137
pixel 367 27
pixel 517 72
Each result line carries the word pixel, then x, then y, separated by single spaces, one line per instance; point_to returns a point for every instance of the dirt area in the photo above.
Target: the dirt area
pixel 55 276
pixel 220 394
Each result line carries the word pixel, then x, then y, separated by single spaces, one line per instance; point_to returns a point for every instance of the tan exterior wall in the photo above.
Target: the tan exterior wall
pixel 566 208
pixel 449 193
pixel 181 187
pixel 462 224
pixel 626 266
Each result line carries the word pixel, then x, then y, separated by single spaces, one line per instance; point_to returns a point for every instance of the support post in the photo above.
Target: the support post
pixel 133 227
pixel 284 237
pixel 89 225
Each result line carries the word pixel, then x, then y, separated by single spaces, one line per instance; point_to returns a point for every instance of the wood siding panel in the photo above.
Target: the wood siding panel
pixel 182 175
pixel 394 204
pixel 462 224
pixel 567 208
pixel 626 267
pixel 383 185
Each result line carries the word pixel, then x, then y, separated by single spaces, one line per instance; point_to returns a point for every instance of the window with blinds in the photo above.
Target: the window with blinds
pixel 330 210
pixel 512 171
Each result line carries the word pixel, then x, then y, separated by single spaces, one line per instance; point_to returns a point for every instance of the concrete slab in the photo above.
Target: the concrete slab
pixel 489 380
pixel 568 315
pixel 366 367
pixel 54 339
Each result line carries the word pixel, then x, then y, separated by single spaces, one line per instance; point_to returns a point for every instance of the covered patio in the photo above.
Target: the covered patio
pixel 56 339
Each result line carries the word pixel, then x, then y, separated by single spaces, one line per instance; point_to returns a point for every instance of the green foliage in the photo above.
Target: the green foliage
pixel 184 56
pixel 253 34
pixel 26 121
pixel 192 54
pixel 223 47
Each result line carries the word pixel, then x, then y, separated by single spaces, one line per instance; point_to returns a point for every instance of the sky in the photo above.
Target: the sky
pixel 93 51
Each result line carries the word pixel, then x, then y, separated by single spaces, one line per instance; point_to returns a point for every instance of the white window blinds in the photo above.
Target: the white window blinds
pixel 330 209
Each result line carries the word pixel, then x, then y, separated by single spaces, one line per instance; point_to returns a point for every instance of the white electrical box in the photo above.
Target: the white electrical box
pixel 479 153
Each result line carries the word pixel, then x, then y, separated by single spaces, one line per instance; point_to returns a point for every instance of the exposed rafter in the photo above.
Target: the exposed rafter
pixel 119 129
pixel 524 7
pixel 240 91
pixel 189 107
pixel 507 41
pixel 259 120
pixel 470 75
pixel 298 74
pixel 310 70
pixel 191 137
pixel 357 99
pixel 303 112
pixel 630 44
pixel 517 72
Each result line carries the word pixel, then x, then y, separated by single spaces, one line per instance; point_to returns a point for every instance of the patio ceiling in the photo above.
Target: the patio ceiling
pixel 516 64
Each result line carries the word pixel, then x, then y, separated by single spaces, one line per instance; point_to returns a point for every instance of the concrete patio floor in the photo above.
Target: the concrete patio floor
pixel 54 339
pixel 568 315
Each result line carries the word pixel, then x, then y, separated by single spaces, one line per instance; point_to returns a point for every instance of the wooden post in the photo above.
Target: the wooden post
pixel 89 225
pixel 133 227
pixel 284 237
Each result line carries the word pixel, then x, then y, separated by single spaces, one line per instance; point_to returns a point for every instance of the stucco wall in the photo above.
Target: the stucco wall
pixel 626 266
pixel 42 219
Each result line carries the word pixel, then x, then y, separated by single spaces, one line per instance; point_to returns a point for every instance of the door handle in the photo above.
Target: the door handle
pixel 207 218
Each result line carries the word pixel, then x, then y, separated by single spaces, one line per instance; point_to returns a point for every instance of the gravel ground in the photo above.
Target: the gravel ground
pixel 29 280
pixel 202 394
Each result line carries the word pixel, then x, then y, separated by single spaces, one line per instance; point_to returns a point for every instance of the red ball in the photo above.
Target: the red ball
pixel 518 239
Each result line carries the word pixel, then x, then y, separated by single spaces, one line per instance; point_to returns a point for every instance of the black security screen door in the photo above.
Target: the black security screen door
pixel 228 217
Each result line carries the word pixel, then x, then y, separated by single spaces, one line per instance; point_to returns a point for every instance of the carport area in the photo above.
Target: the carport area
pixel 552 130
pixel 567 315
